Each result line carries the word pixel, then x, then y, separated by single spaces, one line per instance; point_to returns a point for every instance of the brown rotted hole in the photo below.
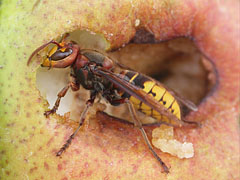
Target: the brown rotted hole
pixel 176 63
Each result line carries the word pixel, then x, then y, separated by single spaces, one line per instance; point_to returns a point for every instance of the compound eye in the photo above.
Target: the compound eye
pixel 59 54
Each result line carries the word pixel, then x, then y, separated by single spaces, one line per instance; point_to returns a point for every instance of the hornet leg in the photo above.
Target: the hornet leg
pixel 82 118
pixel 138 124
pixel 74 86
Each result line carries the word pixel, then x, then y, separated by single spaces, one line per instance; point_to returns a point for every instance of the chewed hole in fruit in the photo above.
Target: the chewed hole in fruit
pixel 176 63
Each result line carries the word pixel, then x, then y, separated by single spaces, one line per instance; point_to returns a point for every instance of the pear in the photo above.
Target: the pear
pixel 113 150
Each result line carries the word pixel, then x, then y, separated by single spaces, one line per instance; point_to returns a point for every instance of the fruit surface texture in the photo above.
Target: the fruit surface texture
pixel 29 141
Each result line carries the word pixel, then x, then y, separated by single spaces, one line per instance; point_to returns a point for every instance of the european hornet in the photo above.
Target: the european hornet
pixel 95 71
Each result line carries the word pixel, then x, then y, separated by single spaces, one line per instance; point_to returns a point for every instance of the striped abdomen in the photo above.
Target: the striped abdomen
pixel 152 89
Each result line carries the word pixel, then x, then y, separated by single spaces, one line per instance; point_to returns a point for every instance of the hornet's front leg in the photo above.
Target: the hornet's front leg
pixel 89 103
pixel 74 86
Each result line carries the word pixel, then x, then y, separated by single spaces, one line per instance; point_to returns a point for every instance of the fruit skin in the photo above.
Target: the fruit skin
pixel 29 141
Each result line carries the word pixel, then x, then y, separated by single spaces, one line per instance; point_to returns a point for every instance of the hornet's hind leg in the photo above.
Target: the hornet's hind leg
pixel 138 124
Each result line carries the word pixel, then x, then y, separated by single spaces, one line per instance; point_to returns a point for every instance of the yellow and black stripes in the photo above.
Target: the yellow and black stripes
pixel 152 89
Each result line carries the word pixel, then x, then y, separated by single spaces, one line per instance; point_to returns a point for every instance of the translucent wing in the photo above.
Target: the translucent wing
pixel 137 93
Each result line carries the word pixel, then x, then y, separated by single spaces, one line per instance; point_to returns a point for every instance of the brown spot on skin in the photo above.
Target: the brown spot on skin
pixel 59 167
pixel 6 161
pixel 21 92
pixel 135 168
pixel 106 177
pixel 28 79
pixel 81 174
pixel 77 151
pixel 46 166
pixel 28 114
pixel 10 124
pixel 65 178
pixel 50 141
pixel 34 6
pixel 39 100
pixel 16 113
pixel 22 141
pixel 33 169
pixel 8 173
pixel 89 173
pixel 24 128
pixel 56 133
pixel 5 101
